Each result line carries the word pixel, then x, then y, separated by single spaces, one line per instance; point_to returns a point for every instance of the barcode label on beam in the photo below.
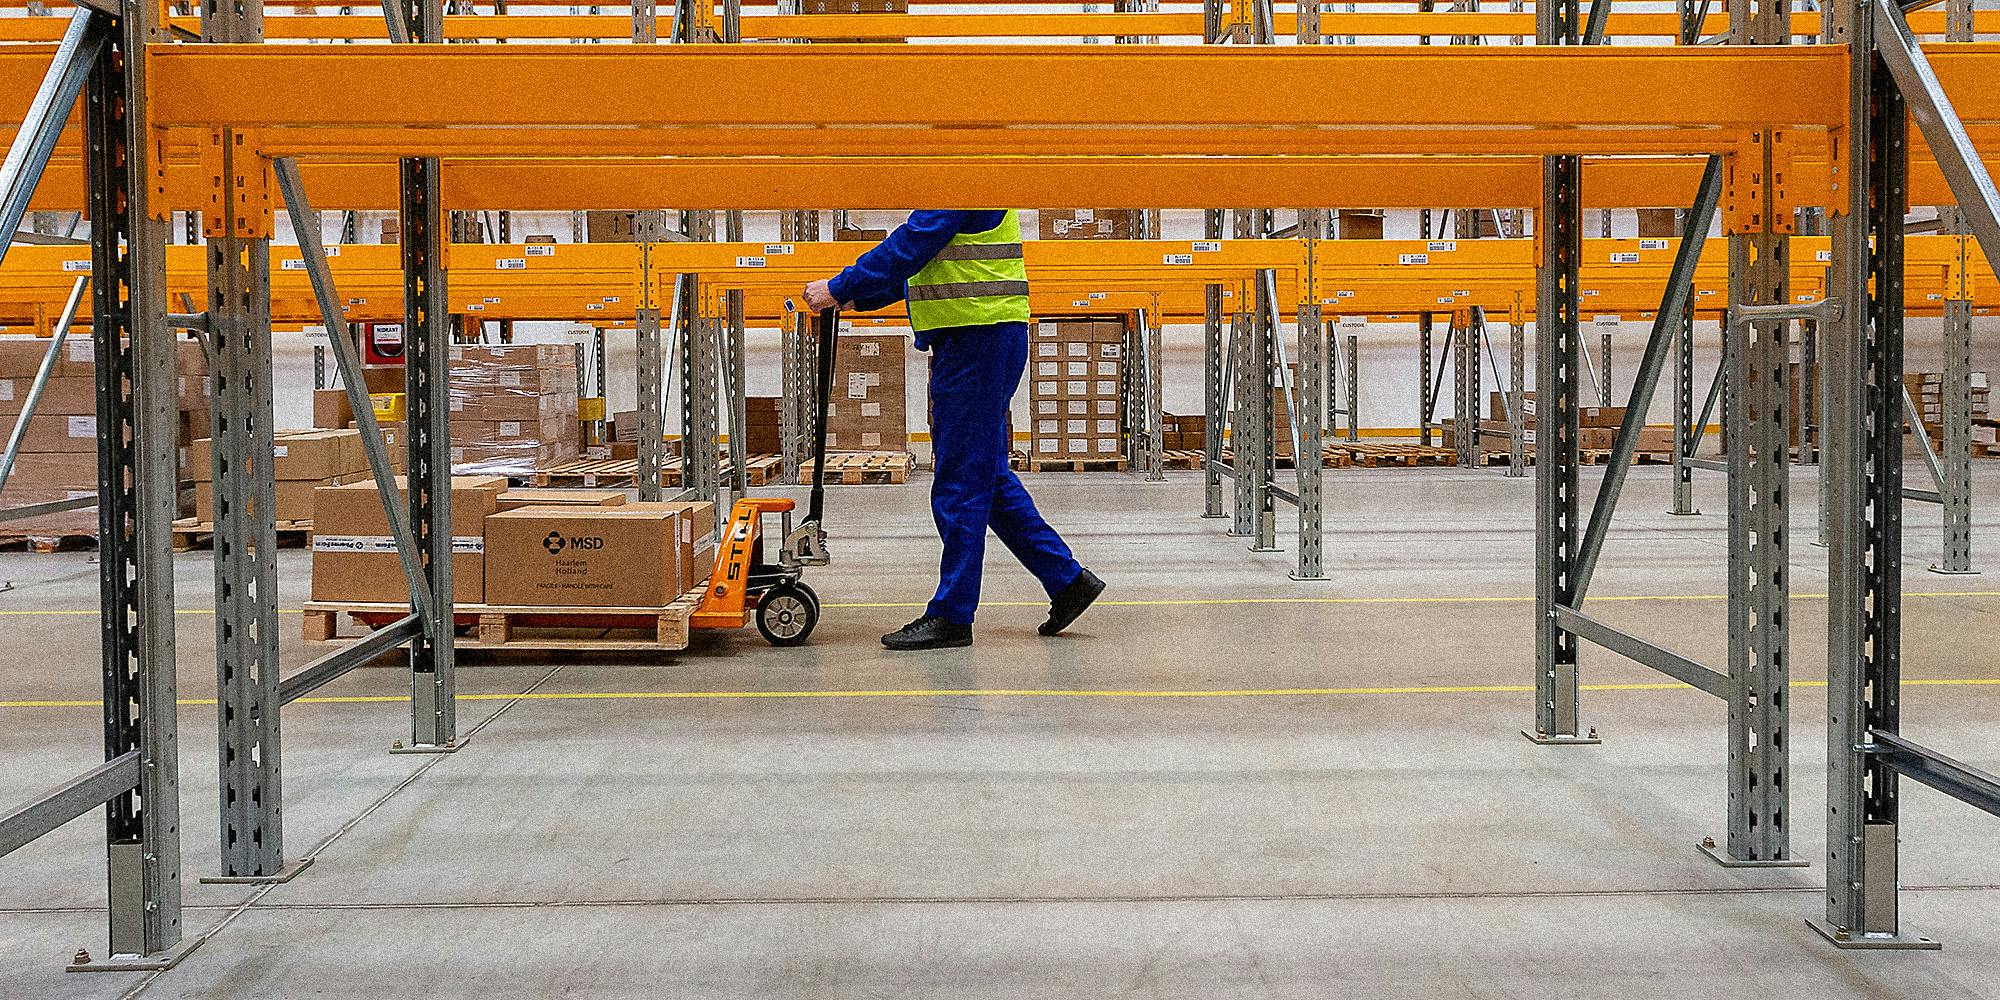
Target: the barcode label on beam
pixel 511 264
pixel 593 305
pixel 1177 259
pixel 1823 256
pixel 1624 258
pixel 76 265
pixel 492 300
pixel 1207 246
pixel 292 265
pixel 539 250
pixel 1652 244
pixel 777 249
pixel 1413 258
pixel 1442 246
pixel 749 262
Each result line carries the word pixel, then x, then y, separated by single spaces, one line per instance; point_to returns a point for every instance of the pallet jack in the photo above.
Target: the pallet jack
pixel 743 586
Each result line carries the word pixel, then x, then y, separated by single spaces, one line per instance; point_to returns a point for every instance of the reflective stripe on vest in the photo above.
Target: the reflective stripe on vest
pixel 978 279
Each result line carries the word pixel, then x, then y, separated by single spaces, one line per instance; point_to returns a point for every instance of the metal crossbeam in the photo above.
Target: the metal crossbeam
pixel 40 130
pixel 330 667
pixel 1919 763
pixel 1666 322
pixel 27 823
pixel 1640 651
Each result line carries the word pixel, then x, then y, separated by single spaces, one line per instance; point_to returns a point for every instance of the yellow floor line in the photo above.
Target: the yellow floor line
pixel 1200 601
pixel 1008 693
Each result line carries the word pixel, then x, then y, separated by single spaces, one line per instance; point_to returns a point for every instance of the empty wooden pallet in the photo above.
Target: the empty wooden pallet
pixel 862 467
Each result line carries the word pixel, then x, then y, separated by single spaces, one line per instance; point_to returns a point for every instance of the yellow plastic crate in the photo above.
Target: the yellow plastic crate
pixel 390 405
pixel 590 408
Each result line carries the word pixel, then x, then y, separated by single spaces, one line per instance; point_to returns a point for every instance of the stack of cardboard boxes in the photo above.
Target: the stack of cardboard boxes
pixel 1183 433
pixel 58 458
pixel 760 425
pixel 868 411
pixel 332 411
pixel 1927 388
pixel 1086 224
pixel 513 408
pixel 1597 426
pixel 1281 418
pixel 559 548
pixel 301 462
pixel 1075 390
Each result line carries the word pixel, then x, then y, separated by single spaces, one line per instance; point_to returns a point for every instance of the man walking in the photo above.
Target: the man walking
pixel 967 287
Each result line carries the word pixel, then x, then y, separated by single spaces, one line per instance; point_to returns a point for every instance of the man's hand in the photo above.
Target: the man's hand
pixel 819 296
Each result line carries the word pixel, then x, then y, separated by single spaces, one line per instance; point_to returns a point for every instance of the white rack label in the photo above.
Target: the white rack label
pixel 539 250
pixel 611 298
pixel 1179 259
pixel 332 251
pixel 475 307
pixel 1353 322
pixel 1606 320
pixel 298 264
pixel 1461 293
pixel 1590 291
pixel 1098 295
pixel 76 265
pixel 511 264
pixel 1206 246
pixel 1345 293
pixel 1652 244
pixel 777 249
pixel 1624 258
pixel 1413 258
pixel 493 300
pixel 1441 246
pixel 1823 256
pixel 593 306
pixel 1446 299
pixel 749 262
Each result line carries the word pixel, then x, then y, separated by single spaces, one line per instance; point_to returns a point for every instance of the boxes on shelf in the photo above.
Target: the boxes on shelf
pixel 331 408
pixel 1076 389
pixel 354 556
pixel 301 462
pixel 1658 223
pixel 610 227
pixel 627 556
pixel 868 411
pixel 1927 389
pixel 513 408
pixel 562 498
pixel 860 235
pixel 760 424
pixel 1086 224
pixel 58 458
pixel 1183 432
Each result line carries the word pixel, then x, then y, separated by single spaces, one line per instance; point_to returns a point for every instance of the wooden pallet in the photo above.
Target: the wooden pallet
pixel 623 473
pixel 1181 460
pixel 858 467
pixel 190 534
pixel 47 543
pixel 1076 464
pixel 491 627
pixel 1344 454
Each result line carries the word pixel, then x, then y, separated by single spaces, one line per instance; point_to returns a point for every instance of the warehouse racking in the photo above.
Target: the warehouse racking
pixel 246 108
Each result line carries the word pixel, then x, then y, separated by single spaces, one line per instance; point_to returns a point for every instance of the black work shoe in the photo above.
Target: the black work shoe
pixel 1073 601
pixel 929 632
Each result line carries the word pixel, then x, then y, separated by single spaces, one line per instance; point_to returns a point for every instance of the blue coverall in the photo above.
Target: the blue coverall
pixel 974 372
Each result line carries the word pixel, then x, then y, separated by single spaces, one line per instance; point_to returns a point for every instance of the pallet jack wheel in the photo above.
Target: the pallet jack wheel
pixel 787 613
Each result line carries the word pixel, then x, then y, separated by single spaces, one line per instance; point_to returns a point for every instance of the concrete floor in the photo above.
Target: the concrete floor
pixel 1353 841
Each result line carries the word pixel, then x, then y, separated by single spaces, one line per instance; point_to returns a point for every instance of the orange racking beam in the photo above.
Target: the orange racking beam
pixel 1458 89
pixel 832 27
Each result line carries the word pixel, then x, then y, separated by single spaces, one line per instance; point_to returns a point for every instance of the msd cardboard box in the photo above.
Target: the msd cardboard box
pixel 588 557
pixel 698 541
pixel 354 556
pixel 514 499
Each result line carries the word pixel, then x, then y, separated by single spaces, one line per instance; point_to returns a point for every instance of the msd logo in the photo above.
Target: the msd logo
pixel 556 543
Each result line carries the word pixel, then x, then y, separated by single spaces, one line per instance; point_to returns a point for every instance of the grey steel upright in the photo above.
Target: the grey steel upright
pixel 427 348
pixel 249 752
pixel 138 497
pixel 1558 349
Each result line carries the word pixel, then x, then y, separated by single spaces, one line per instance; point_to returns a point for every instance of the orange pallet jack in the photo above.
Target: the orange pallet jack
pixel 744 586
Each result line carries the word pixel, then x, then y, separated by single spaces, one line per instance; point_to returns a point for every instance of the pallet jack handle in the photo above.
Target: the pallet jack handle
pixel 805 545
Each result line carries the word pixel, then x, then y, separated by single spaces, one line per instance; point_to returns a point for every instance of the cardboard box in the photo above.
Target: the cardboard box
pixel 56 432
pixel 331 408
pixel 1356 225
pixel 354 556
pixel 60 396
pixel 1086 224
pixel 860 235
pixel 505 459
pixel 593 557
pixel 296 455
pixel 294 498
pixel 610 227
pixel 382 378
pixel 513 499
